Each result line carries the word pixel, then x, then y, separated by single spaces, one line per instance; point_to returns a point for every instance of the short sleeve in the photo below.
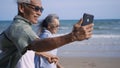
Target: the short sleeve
pixel 22 36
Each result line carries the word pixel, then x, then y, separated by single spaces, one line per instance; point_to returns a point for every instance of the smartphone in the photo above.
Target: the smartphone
pixel 87 19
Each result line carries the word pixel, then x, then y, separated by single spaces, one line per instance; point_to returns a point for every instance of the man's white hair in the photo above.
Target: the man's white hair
pixel 23 1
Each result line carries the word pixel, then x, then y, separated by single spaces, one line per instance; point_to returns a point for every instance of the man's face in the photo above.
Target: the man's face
pixel 32 11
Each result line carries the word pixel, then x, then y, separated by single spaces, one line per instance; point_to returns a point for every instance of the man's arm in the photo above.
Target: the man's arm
pixel 79 33
pixel 42 45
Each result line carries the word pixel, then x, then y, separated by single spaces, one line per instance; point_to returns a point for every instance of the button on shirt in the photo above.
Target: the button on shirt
pixel 14 40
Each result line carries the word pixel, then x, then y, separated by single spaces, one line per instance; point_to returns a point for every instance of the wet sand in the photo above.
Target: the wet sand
pixel 89 62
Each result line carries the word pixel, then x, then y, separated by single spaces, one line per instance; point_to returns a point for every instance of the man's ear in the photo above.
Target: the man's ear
pixel 21 8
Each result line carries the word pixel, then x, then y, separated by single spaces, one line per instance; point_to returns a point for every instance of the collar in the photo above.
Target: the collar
pixel 45 30
pixel 22 18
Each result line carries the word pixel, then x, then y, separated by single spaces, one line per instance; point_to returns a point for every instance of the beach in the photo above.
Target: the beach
pixel 97 52
pixel 102 50
pixel 89 62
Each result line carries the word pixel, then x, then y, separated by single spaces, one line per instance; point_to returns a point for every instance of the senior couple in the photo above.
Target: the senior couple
pixel 21 47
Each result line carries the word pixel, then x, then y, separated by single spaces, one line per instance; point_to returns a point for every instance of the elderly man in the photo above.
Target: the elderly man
pixel 19 37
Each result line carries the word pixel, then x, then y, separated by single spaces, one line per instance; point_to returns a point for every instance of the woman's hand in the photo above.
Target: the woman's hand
pixel 50 57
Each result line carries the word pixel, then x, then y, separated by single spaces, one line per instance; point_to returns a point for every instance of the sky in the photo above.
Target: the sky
pixel 68 9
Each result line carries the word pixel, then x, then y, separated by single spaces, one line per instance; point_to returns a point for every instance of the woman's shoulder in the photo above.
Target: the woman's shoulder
pixel 45 34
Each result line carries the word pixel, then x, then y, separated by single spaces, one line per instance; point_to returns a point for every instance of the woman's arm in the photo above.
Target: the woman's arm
pixel 50 57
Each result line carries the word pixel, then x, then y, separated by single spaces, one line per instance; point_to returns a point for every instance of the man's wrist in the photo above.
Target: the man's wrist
pixel 72 37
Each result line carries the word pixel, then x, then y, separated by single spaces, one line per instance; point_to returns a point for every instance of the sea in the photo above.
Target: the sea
pixel 105 41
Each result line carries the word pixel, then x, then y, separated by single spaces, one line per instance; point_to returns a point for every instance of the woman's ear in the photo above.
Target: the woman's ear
pixel 49 27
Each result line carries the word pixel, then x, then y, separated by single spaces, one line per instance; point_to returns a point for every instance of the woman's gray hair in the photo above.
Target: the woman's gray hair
pixel 48 20
pixel 44 23
pixel 23 1
pixel 50 17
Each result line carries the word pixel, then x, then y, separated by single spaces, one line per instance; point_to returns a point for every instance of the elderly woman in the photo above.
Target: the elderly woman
pixel 47 28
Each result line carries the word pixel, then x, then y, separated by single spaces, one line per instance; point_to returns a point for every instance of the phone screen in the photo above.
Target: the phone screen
pixel 87 19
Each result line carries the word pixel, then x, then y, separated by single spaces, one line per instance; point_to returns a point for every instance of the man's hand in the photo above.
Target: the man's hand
pixel 81 32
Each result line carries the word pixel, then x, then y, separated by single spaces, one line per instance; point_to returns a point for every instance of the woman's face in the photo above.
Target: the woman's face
pixel 53 27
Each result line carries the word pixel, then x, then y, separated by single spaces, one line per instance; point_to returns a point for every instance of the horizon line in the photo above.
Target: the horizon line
pixel 78 19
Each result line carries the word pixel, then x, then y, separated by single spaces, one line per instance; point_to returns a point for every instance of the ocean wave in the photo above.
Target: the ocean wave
pixel 106 28
pixel 97 36
pixel 64 28
pixel 106 36
pixel 96 28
